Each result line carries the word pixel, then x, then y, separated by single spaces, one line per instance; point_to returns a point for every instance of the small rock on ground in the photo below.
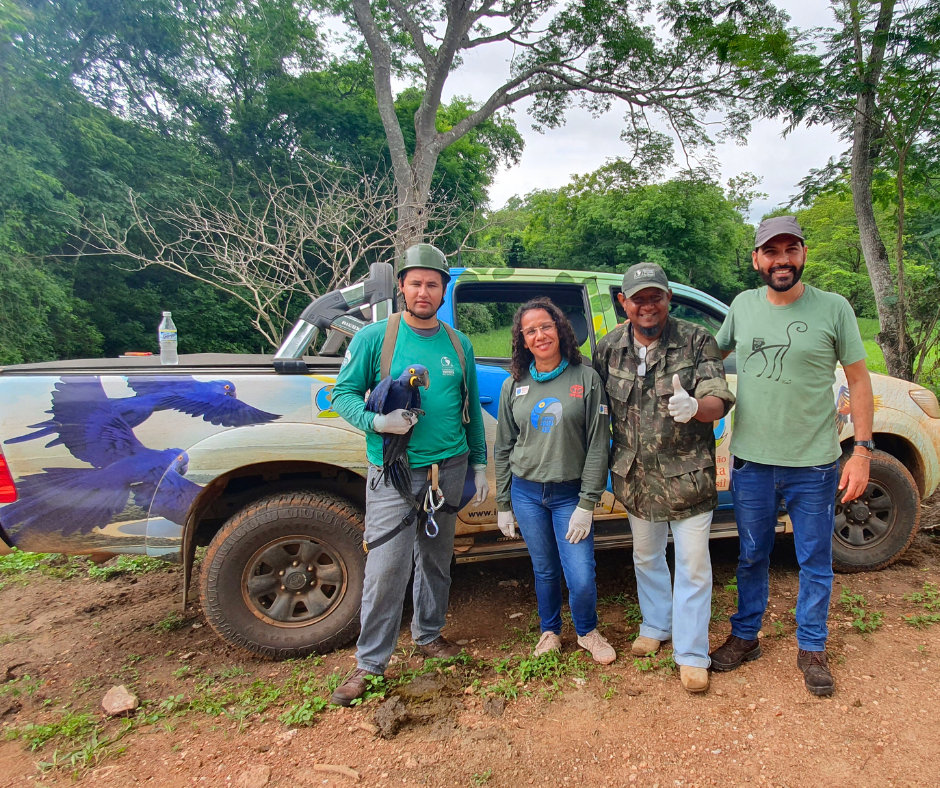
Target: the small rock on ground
pixel 494 706
pixel 255 777
pixel 119 700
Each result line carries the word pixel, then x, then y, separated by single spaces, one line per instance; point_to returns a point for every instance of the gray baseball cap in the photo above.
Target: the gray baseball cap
pixel 778 225
pixel 642 275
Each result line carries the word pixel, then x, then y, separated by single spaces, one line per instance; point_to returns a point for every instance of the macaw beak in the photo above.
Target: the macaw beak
pixel 420 380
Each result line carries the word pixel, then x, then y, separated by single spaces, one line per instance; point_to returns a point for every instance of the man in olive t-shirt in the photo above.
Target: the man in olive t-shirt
pixel 789 337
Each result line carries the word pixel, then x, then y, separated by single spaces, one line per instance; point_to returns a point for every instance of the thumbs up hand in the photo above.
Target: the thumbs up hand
pixel 682 406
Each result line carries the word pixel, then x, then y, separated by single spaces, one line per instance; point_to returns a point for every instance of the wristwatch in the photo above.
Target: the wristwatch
pixel 870 445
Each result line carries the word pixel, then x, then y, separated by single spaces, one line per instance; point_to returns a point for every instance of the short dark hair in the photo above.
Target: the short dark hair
pixel 521 355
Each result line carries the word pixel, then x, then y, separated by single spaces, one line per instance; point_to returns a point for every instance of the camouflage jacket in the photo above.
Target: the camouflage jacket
pixel 660 469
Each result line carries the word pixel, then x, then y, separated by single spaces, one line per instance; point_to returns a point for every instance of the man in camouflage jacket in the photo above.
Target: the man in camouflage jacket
pixel 666 384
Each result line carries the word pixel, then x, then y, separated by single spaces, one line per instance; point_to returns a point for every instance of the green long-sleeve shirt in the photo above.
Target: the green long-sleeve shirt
pixel 555 431
pixel 440 433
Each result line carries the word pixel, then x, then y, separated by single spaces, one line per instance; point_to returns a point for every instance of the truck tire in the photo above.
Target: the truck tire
pixel 283 577
pixel 874 530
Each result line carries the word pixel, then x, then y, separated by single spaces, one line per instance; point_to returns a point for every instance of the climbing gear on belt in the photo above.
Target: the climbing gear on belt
pixel 388 350
pixel 428 502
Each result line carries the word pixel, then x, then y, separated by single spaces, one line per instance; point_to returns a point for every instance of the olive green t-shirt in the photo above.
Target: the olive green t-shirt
pixel 786 361
pixel 554 431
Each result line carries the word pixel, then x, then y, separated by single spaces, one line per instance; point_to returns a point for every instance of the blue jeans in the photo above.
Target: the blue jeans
pixel 542 512
pixel 809 494
pixel 681 613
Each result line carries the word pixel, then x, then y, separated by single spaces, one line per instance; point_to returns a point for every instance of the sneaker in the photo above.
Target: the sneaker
pixel 354 687
pixel 693 679
pixel 600 649
pixel 816 674
pixel 548 642
pixel 733 652
pixel 643 646
pixel 440 648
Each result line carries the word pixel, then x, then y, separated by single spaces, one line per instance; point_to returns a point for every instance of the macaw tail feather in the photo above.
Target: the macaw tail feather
pixel 398 474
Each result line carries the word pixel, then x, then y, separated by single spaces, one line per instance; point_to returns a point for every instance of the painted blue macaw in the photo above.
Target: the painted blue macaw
pixel 79 499
pixel 397 394
pixel 214 400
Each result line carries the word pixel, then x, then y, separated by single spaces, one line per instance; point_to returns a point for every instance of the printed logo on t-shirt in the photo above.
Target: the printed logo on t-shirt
pixel 522 391
pixel 447 366
pixel 577 391
pixel 546 414
pixel 346 359
pixel 768 360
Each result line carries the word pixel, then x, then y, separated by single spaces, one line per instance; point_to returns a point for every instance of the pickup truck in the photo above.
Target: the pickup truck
pixel 244 454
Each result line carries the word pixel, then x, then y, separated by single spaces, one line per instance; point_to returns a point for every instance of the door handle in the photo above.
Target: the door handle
pixel 486 400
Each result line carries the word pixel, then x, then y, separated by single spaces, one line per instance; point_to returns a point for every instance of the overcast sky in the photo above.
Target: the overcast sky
pixel 584 143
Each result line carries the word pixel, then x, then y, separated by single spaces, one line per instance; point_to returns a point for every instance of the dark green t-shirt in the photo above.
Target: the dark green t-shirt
pixel 786 360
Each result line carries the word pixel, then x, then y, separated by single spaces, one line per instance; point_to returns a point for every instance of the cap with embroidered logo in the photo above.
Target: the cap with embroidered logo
pixel 642 275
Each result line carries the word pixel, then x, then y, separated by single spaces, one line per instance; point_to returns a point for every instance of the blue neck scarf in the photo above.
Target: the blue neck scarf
pixel 542 377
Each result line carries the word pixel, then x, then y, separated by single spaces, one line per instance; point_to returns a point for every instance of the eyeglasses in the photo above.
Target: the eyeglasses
pixel 545 328
pixel 641 367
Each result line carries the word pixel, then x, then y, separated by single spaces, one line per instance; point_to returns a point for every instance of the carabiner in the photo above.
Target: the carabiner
pixel 430 527
pixel 430 507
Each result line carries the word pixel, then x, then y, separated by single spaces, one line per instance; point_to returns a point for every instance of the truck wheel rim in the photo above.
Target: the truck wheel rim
pixel 866 521
pixel 294 581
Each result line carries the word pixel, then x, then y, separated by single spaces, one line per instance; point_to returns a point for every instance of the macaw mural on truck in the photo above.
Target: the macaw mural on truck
pixel 88 466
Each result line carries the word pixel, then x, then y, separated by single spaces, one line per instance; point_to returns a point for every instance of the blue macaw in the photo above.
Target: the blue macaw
pixel 80 499
pixel 397 394
pixel 214 400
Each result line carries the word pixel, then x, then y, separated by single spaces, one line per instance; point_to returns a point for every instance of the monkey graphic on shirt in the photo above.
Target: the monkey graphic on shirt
pixel 773 355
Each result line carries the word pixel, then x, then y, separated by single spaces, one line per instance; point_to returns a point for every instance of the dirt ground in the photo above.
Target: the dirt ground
pixel 211 716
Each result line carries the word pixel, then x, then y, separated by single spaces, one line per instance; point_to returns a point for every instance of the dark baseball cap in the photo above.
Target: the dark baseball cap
pixel 778 225
pixel 642 275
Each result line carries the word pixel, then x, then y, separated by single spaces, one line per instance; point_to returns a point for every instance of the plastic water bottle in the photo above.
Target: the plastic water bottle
pixel 167 336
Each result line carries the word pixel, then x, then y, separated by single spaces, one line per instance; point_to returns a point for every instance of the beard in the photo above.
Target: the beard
pixel 422 313
pixel 768 277
pixel 651 332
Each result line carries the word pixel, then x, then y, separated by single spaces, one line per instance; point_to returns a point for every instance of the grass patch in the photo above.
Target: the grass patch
pixel 664 663
pixel 929 597
pixel 171 622
pixel 517 674
pixel 126 565
pixel 863 620
pixel 304 713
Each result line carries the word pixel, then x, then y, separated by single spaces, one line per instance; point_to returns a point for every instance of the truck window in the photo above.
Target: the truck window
pixel 484 311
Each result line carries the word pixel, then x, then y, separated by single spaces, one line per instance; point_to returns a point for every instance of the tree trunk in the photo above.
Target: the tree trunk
pixel 892 337
pixel 413 187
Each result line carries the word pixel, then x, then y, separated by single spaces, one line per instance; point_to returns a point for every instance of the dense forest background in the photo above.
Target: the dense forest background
pixel 114 110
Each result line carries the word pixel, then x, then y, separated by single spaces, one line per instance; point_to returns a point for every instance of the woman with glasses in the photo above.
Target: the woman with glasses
pixel 551 468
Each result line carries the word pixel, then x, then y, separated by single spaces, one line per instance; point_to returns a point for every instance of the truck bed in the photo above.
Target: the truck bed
pixel 191 362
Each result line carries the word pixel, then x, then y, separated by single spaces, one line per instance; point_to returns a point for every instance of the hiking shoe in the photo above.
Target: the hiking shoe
pixel 644 646
pixel 548 642
pixel 600 649
pixel 354 687
pixel 440 648
pixel 733 652
pixel 815 669
pixel 693 679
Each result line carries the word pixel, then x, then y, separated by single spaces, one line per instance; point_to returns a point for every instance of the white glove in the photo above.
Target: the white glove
pixel 579 525
pixel 479 481
pixel 398 422
pixel 682 405
pixel 506 523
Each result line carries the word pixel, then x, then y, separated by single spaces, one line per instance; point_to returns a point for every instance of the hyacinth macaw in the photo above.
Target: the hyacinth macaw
pixel 214 400
pixel 79 499
pixel 397 394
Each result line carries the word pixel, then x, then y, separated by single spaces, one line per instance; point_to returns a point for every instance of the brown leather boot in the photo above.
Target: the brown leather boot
pixel 440 648
pixel 733 652
pixel 354 687
pixel 816 675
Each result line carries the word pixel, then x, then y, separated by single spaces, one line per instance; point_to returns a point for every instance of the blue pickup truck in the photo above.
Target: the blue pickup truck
pixel 245 455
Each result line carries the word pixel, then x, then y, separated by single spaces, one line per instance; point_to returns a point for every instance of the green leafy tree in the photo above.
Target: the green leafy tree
pixel 707 57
